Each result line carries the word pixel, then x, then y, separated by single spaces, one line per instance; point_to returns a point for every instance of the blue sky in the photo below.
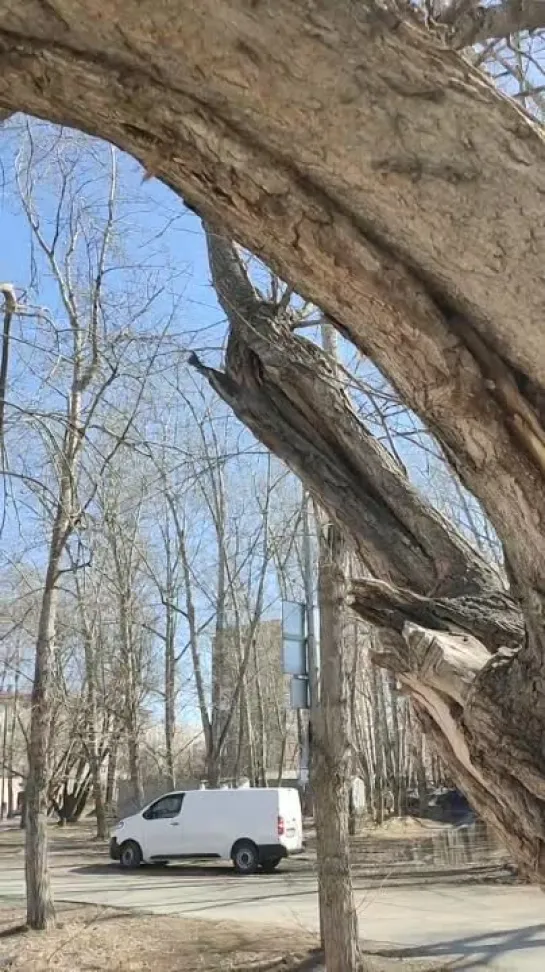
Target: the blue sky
pixel 164 242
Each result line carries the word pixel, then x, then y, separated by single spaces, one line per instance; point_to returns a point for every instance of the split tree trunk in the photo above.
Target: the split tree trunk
pixel 282 122
pixel 426 254
pixel 456 641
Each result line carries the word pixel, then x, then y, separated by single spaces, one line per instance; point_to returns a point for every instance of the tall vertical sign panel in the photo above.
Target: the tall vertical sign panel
pixel 294 653
pixel 294 639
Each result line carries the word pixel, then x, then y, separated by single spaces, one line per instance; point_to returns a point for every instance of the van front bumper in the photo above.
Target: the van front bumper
pixel 115 849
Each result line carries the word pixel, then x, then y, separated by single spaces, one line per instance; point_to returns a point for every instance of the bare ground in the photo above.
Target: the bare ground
pixel 92 939
pixel 105 940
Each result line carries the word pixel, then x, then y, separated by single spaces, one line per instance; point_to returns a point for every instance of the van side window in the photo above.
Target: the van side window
pixel 164 808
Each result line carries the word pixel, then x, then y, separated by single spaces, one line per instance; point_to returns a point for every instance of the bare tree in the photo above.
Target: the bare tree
pixel 235 623
pixel 414 253
pixel 124 538
pixel 74 365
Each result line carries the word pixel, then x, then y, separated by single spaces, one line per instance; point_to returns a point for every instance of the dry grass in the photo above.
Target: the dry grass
pixel 97 939
pixel 105 940
pixel 406 828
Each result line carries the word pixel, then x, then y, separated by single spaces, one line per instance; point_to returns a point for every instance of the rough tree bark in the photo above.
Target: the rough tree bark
pixel 331 758
pixel 456 640
pixel 388 181
pixel 282 122
pixel 330 752
pixel 40 907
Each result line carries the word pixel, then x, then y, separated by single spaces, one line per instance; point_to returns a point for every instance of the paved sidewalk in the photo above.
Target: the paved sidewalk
pixel 485 927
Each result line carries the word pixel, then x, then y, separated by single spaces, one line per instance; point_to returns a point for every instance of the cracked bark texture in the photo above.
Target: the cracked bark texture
pixel 385 179
pixel 452 634
pixel 372 168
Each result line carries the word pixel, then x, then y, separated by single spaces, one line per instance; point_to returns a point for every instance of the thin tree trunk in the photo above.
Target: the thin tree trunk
pixel 420 767
pixel 132 726
pixel 253 765
pixel 6 768
pixel 397 780
pixel 331 763
pixel 40 908
pixel 239 719
pixel 11 743
pixel 282 720
pixel 206 722
pixel 95 763
pixel 352 822
pixel 219 667
pixel 380 758
pixel 10 306
pixel 263 758
pixel 111 774
pixel 170 694
pixel 135 769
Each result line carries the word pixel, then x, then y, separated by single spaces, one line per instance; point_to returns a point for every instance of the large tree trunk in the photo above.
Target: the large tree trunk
pixel 426 252
pixel 456 641
pixel 385 178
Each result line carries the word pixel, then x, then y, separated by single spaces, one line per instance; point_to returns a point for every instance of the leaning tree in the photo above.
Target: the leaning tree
pixel 351 146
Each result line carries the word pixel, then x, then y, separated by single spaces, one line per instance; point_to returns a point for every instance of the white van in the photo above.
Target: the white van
pixel 251 827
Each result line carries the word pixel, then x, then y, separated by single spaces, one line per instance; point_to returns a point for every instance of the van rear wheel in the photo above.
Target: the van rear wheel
pixel 130 855
pixel 271 865
pixel 245 857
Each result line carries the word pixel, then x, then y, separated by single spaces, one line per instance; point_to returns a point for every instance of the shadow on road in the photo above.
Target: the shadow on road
pixel 395 877
pixel 480 951
pixel 172 871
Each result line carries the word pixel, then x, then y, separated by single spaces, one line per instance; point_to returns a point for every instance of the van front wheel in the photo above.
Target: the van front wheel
pixel 245 857
pixel 130 855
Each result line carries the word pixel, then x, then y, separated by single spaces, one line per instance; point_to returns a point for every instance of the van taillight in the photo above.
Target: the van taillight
pixel 281 827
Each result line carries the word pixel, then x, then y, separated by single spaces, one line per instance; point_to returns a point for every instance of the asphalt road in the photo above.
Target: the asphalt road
pixel 485 926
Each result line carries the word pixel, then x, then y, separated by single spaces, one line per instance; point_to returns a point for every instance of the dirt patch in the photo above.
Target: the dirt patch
pixel 106 940
pixel 95 940
pixel 406 828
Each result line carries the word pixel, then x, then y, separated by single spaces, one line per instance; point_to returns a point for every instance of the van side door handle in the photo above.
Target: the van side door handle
pixel 174 823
